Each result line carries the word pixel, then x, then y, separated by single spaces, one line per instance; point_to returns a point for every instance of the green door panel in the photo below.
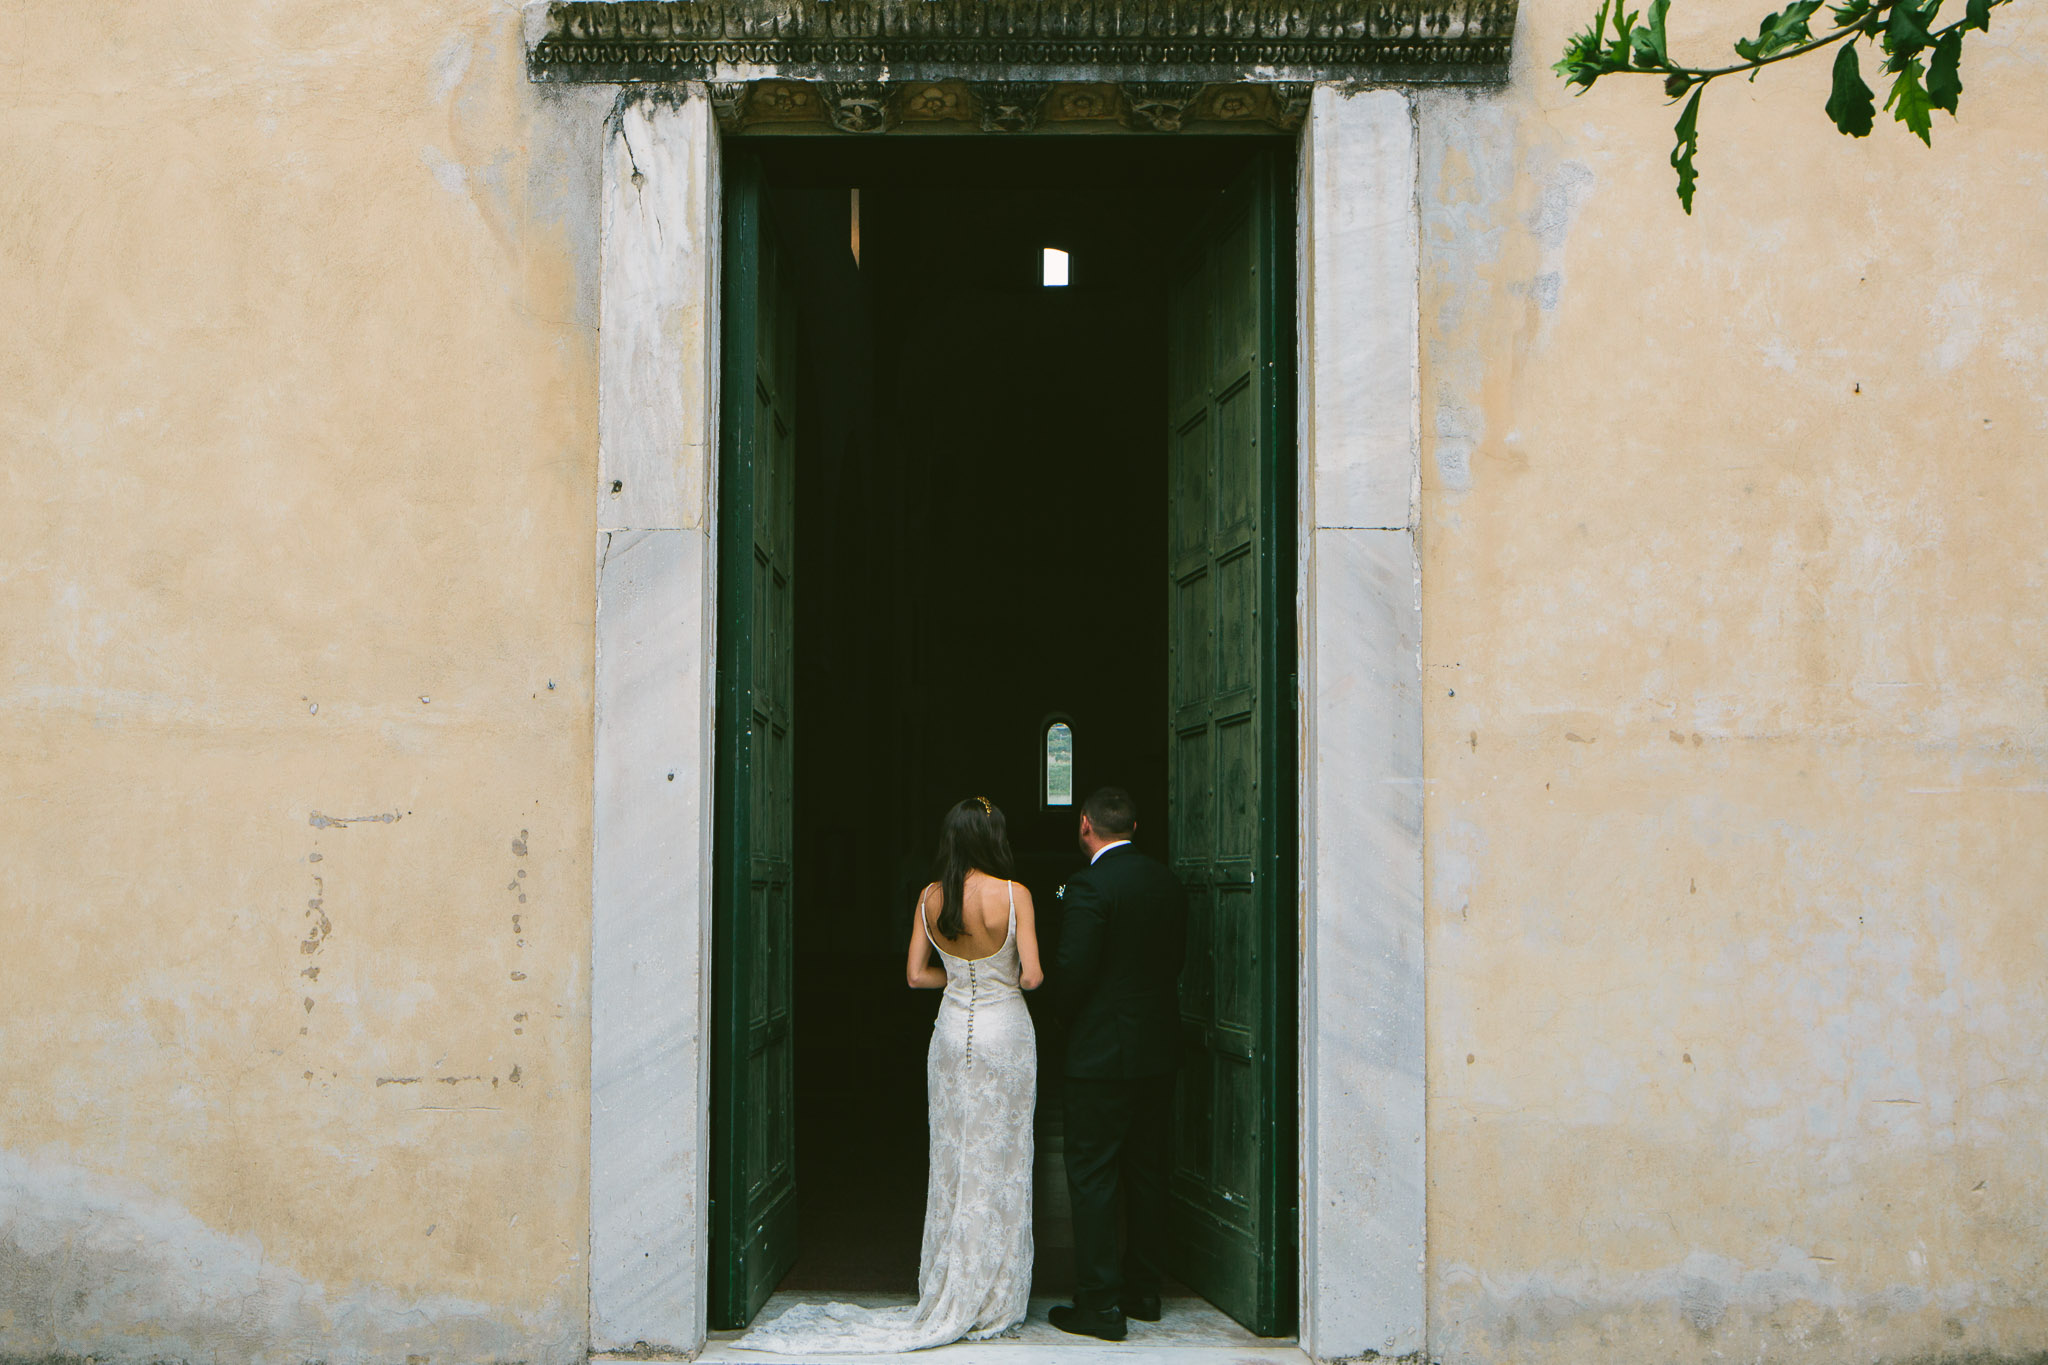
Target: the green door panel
pixel 1231 779
pixel 753 1174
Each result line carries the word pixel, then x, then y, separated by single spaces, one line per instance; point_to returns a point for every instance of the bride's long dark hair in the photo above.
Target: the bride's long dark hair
pixel 973 835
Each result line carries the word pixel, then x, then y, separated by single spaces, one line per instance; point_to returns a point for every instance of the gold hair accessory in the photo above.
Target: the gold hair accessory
pixel 985 810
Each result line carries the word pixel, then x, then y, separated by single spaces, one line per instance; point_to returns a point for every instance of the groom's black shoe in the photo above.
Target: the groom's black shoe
pixel 1105 1323
pixel 1143 1307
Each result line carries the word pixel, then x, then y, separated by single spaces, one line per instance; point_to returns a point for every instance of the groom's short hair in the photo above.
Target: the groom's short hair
pixel 1111 811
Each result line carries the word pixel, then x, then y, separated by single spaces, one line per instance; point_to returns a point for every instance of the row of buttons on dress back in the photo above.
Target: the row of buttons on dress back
pixel 969 1064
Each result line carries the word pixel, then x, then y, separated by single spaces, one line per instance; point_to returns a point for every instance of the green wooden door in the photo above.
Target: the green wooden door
pixel 1231 778
pixel 753 1169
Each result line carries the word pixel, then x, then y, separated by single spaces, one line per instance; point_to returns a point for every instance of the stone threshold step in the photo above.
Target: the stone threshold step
pixel 1190 1331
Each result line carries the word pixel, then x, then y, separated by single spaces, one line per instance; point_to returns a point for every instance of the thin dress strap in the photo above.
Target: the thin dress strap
pixel 926 922
pixel 1013 911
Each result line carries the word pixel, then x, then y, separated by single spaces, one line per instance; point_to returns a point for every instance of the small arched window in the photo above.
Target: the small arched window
pixel 1059 764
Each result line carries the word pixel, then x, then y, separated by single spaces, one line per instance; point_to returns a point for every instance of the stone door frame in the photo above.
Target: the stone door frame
pixel 1360 1002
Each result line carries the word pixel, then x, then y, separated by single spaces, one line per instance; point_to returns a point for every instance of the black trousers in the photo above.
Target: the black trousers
pixel 1118 1140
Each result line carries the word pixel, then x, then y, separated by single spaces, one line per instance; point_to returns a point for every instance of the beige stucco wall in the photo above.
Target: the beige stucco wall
pixel 297 390
pixel 1734 636
pixel 1735 642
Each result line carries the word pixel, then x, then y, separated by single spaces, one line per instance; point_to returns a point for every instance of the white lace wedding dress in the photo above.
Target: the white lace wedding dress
pixel 974 1275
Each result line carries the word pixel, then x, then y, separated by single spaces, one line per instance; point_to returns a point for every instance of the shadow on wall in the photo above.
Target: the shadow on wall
pixel 100 1268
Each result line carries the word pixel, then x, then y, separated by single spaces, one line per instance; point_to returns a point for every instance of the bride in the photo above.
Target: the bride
pixel 981 1080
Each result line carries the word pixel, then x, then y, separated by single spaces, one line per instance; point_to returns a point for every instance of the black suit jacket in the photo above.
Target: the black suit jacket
pixel 1117 987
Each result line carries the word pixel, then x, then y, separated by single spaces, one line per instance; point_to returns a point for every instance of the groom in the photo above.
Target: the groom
pixel 1118 991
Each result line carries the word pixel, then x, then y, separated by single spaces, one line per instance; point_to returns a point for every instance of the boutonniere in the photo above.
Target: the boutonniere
pixel 1060 894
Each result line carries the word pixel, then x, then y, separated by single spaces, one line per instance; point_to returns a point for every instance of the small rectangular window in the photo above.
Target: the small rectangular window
pixel 1055 268
pixel 1059 764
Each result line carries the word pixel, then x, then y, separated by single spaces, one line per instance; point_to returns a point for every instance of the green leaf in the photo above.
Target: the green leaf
pixel 1624 30
pixel 1650 46
pixel 1687 132
pixel 1585 60
pixel 1909 103
pixel 1779 31
pixel 1907 33
pixel 1850 106
pixel 1978 15
pixel 1944 76
pixel 1852 13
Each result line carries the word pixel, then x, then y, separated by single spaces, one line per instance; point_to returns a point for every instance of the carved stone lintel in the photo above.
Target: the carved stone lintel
pixel 728 102
pixel 1203 41
pixel 931 102
pixel 1007 106
pixel 1238 103
pixel 1290 99
pixel 1081 103
pixel 1011 106
pixel 857 106
pixel 1161 107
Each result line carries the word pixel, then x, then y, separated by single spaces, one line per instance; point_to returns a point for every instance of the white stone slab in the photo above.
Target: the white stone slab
pixel 1360 420
pixel 1363 1134
pixel 1189 1332
pixel 651 874
pixel 657 337
pixel 651 937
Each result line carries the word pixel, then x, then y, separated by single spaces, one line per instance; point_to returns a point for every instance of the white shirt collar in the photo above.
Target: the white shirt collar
pixel 1104 849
